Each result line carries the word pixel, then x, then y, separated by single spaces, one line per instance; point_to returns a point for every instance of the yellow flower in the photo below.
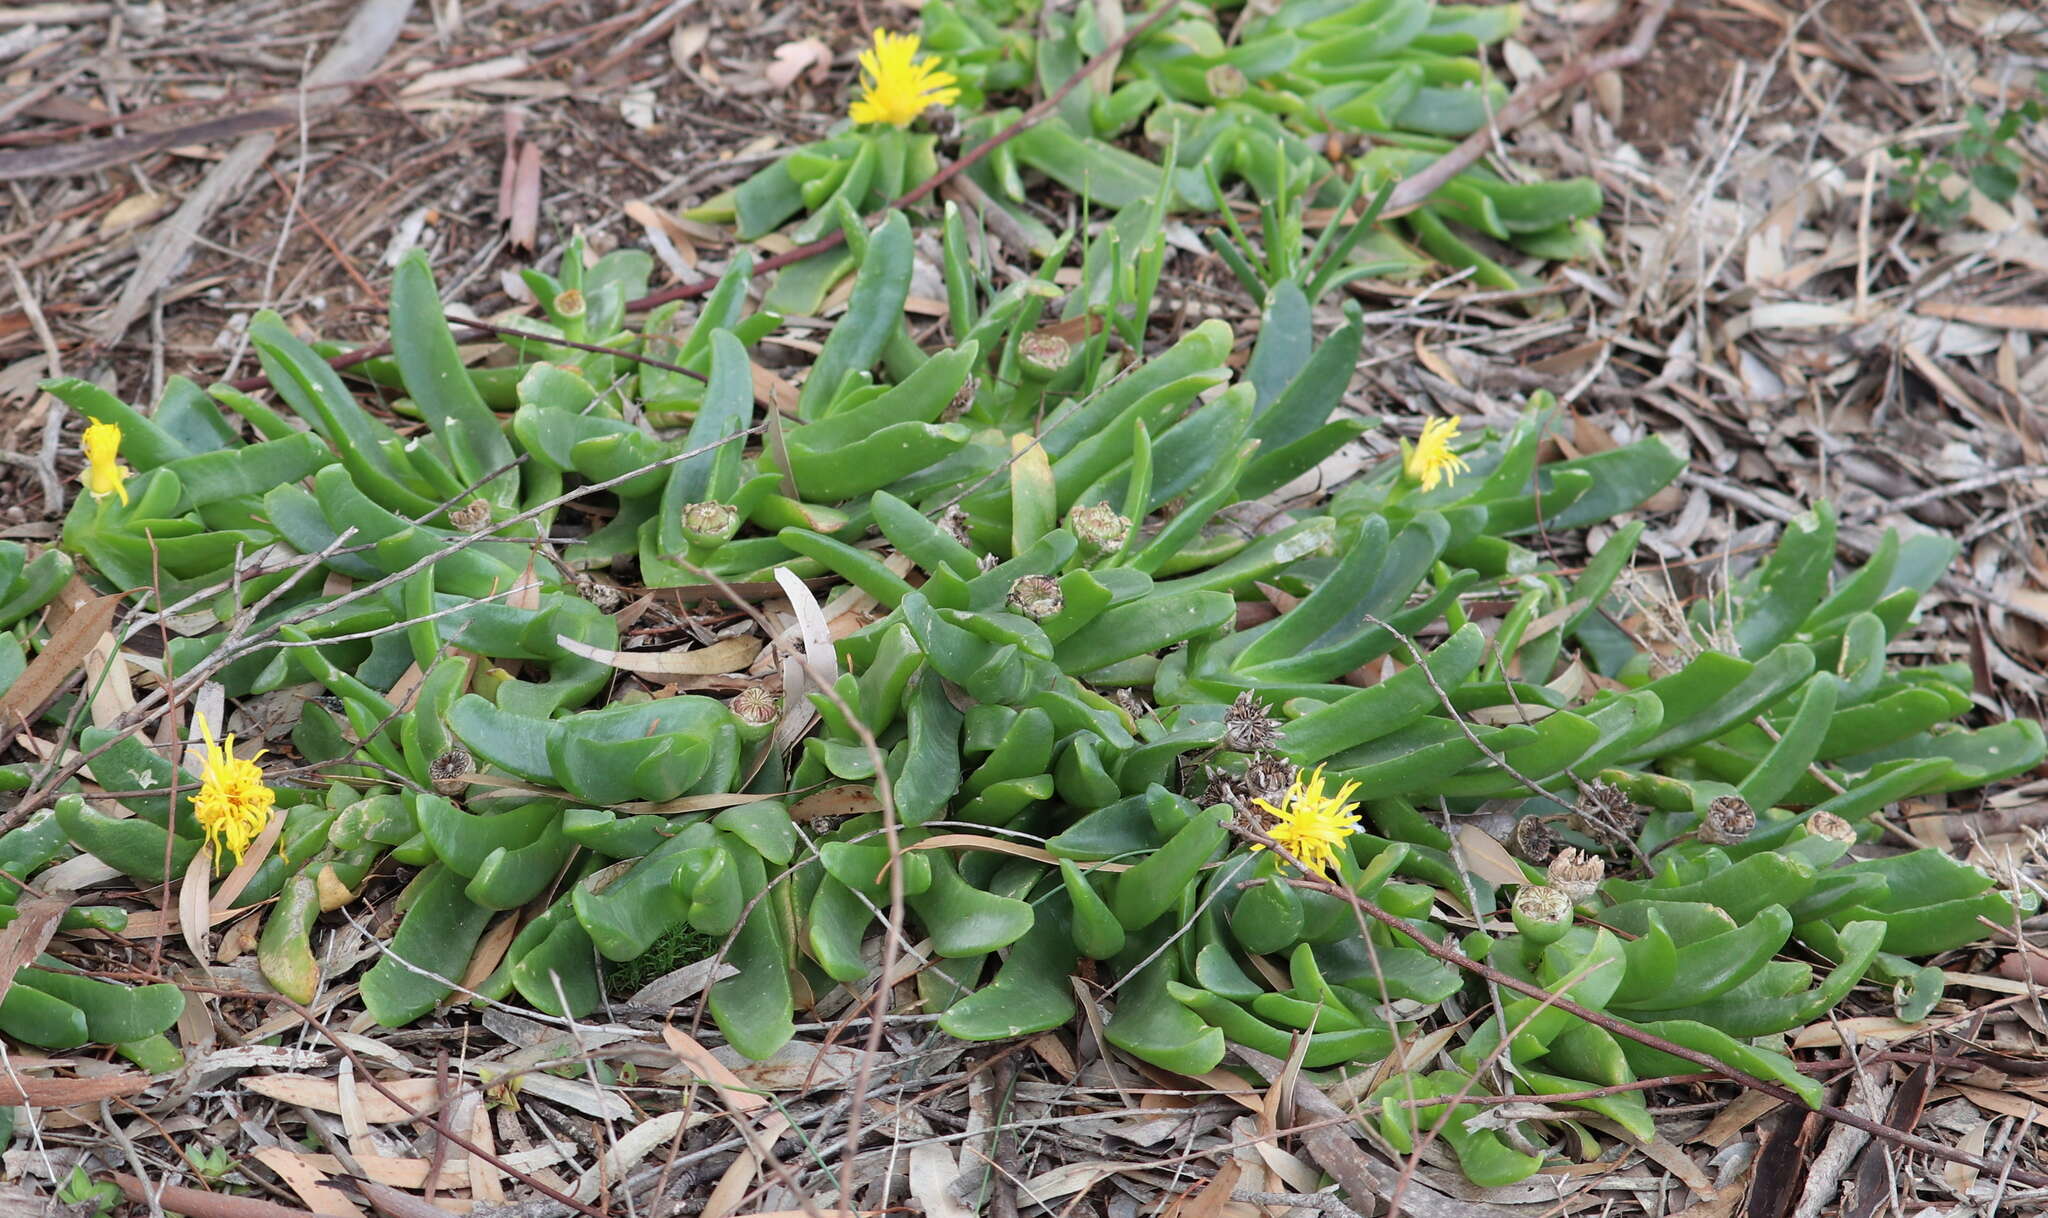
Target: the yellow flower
pixel 1431 460
pixel 895 86
pixel 104 474
pixel 1310 824
pixel 233 805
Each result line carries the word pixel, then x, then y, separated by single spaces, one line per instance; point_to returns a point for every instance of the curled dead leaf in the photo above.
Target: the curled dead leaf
pixel 794 59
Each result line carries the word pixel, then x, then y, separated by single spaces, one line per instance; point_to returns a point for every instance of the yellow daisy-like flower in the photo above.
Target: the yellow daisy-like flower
pixel 233 805
pixel 1311 824
pixel 104 474
pixel 895 86
pixel 1431 460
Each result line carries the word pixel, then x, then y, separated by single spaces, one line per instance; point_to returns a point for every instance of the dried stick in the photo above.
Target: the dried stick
pixel 431 1120
pixel 834 239
pixel 1412 192
pixel 634 356
pixel 1617 1027
pixel 201 1204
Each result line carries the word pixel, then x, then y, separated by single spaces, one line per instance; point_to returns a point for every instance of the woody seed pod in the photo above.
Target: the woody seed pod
pixel 471 517
pixel 446 771
pixel 1268 776
pixel 1099 526
pixel 1729 822
pixel 754 705
pixel 1828 825
pixel 1037 597
pixel 1225 82
pixel 710 523
pixel 1533 841
pixel 1246 726
pixel 1576 874
pixel 1043 356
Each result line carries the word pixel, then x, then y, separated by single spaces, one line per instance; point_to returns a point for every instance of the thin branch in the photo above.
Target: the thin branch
pixel 1413 192
pixel 834 239
pixel 1629 1031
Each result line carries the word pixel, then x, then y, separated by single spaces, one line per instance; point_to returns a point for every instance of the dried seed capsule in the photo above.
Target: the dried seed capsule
pixel 608 597
pixel 471 517
pixel 446 771
pixel 954 521
pixel 1607 815
pixel 1099 526
pixel 1576 874
pixel 1828 825
pixel 1729 822
pixel 1225 82
pixel 1601 796
pixel 1037 597
pixel 1226 788
pixel 1542 913
pixel 962 399
pixel 710 523
pixel 1246 726
pixel 1043 356
pixel 1268 776
pixel 1533 841
pixel 754 705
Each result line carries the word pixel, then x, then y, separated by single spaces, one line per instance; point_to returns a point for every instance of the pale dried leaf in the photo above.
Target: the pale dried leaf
pixel 193 894
pixel 131 211
pixel 309 1182
pixel 1745 1110
pixel 636 107
pixel 698 1062
pixel 244 871
pixel 1066 1180
pixel 1486 858
pixel 686 982
pixel 490 950
pixel 324 1095
pixel 582 1095
pixel 724 656
pixel 799 1066
pixel 794 59
pixel 502 68
pixel 636 1144
pixel 106 675
pixel 523 228
pixel 23 939
pixel 814 664
pixel 1209 1202
pixel 848 800
pixel 933 1170
pixel 738 1180
pixel 70 643
pixel 17 1089
pixel 687 41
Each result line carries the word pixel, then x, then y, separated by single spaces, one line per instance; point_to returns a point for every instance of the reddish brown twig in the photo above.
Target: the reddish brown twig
pixel 1412 192
pixel 634 356
pixel 201 1204
pixel 834 239
pixel 1025 121
pixel 1618 1027
pixel 366 1074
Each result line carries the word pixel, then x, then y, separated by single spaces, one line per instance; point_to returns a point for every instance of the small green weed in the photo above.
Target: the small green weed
pixel 1984 154
pixel 683 945
pixel 81 1189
